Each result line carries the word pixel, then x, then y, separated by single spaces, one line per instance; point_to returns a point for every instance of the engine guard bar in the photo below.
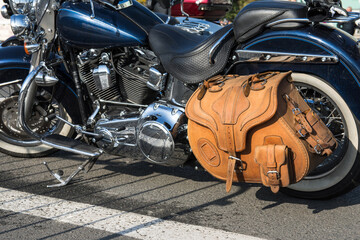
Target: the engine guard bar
pixel 23 112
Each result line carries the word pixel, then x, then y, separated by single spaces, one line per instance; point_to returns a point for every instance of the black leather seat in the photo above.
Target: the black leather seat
pixel 253 18
pixel 186 55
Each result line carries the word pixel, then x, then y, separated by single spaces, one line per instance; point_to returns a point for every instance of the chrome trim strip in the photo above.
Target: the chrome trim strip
pixel 216 45
pixel 11 82
pixel 264 56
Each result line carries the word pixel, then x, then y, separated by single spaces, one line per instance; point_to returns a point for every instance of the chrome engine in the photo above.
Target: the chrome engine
pixel 125 75
pixel 125 85
pixel 159 132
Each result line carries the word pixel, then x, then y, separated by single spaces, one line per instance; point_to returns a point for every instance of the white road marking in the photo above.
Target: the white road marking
pixel 110 220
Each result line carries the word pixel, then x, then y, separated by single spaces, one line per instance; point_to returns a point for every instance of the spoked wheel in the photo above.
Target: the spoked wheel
pixel 13 140
pixel 338 173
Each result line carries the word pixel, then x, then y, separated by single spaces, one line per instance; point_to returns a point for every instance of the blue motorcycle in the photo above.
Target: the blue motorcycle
pixel 90 77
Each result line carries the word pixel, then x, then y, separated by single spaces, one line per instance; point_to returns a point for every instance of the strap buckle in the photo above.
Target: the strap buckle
pixel 296 111
pixel 300 133
pixel 276 172
pixel 238 159
pixel 318 149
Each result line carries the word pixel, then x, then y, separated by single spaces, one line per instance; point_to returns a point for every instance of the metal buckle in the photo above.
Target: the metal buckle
pixel 300 133
pixel 317 150
pixel 296 110
pixel 277 174
pixel 220 83
pixel 238 159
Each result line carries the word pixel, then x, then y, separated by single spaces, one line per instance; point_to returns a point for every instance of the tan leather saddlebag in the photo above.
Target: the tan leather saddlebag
pixel 256 128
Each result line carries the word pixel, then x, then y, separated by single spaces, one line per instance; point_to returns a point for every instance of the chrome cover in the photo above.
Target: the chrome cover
pixel 156 79
pixel 102 77
pixel 155 141
pixel 117 133
pixel 281 57
pixel 161 135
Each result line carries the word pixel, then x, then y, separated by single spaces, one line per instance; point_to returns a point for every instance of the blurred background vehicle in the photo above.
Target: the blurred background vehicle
pixel 211 10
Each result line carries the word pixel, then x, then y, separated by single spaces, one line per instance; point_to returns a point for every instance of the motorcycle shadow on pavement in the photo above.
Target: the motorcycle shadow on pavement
pixel 349 199
pixel 138 168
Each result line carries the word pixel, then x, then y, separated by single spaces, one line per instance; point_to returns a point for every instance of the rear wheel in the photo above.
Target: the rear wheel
pixel 340 171
pixel 13 140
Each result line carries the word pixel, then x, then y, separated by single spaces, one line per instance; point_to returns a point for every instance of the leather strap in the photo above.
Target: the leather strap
pixel 211 84
pixel 230 142
pixel 272 173
pixel 305 129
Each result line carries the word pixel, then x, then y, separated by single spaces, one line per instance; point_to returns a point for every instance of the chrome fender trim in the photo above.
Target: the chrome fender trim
pixel 283 57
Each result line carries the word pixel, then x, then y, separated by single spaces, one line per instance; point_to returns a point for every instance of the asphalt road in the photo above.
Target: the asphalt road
pixel 178 194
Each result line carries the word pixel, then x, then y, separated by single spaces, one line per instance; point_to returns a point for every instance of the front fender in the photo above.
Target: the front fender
pixel 320 39
pixel 15 64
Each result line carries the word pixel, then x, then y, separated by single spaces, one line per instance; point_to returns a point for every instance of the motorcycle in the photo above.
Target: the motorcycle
pixel 108 76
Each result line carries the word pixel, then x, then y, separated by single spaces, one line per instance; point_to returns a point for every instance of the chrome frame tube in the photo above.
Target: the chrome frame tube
pixel 123 103
pixel 91 119
pixel 11 82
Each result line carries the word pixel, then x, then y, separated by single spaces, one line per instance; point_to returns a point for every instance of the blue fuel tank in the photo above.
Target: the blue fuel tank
pixel 109 28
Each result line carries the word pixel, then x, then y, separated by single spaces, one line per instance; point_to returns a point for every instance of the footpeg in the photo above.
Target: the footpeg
pixel 59 174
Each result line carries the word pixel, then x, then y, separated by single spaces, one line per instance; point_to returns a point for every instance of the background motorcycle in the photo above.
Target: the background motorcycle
pixel 95 68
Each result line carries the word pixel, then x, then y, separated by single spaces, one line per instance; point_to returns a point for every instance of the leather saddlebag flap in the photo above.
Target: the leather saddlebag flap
pixel 274 165
pixel 230 116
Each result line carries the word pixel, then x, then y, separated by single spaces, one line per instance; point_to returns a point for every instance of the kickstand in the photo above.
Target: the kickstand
pixel 68 179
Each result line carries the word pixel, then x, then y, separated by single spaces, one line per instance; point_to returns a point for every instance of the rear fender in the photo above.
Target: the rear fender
pixel 320 39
